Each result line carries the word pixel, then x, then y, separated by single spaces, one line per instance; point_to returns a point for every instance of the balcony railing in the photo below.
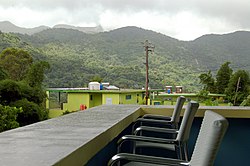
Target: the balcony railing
pixel 89 137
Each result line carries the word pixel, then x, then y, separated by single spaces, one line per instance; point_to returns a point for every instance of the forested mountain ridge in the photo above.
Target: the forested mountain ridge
pixel 118 56
pixel 212 50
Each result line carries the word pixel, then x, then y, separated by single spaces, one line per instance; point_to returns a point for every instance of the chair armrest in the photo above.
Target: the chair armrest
pixel 155 129
pixel 145 159
pixel 151 121
pixel 134 138
pixel 158 117
pixel 157 121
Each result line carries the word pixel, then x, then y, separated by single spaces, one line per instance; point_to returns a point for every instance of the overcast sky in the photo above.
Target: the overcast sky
pixel 181 19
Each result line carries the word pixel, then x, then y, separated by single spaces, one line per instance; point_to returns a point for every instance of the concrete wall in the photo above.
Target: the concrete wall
pixel 84 137
pixel 128 98
pixel 75 100
pixel 72 139
pixel 109 98
pixel 95 99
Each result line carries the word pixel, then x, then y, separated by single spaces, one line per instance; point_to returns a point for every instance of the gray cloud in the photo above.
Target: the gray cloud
pixel 212 15
pixel 215 8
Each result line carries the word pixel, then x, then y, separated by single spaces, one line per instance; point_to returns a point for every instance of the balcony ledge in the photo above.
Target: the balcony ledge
pixel 75 138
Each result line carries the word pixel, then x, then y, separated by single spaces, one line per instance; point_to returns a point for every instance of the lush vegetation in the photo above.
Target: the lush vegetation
pixel 8 117
pixel 246 102
pixel 22 95
pixel 118 56
pixel 235 85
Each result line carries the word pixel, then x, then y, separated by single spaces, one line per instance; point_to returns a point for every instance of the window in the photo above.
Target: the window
pixel 128 97
pixel 157 103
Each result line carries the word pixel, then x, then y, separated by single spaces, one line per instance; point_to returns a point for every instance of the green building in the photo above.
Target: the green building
pixel 76 97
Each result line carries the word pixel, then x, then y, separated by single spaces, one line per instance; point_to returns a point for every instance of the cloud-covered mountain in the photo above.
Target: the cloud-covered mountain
pixel 6 26
pixel 90 30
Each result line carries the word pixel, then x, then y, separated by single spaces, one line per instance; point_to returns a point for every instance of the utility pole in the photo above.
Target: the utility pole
pixel 237 89
pixel 148 48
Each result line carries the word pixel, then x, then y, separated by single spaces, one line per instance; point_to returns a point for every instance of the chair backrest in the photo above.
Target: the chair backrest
pixel 187 121
pixel 177 109
pixel 212 131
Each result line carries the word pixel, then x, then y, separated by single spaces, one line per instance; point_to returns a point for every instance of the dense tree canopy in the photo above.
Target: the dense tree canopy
pixel 9 91
pixel 208 81
pixel 23 90
pixel 3 74
pixel 238 87
pixel 223 77
pixel 35 75
pixel 15 62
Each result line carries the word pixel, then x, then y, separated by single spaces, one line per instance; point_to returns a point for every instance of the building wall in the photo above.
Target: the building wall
pixel 128 98
pixel 47 100
pixel 92 99
pixel 95 99
pixel 75 100
pixel 108 98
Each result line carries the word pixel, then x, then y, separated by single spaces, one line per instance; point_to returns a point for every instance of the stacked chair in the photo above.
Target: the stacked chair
pixel 209 139
pixel 211 133
pixel 210 136
pixel 177 144
pixel 164 121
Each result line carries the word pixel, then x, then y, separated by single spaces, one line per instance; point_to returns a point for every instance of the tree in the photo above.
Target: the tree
pixel 33 94
pixel 246 102
pixel 203 95
pixel 21 95
pixel 208 81
pixel 3 74
pixel 223 77
pixel 16 62
pixel 35 75
pixel 31 113
pixel 24 88
pixel 96 78
pixel 238 87
pixel 9 92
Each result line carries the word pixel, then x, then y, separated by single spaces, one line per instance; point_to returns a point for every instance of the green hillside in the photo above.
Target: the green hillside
pixel 212 50
pixel 118 56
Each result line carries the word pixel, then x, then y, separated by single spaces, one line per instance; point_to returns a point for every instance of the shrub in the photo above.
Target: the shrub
pixel 203 95
pixel 8 117
pixel 9 92
pixel 246 102
pixel 32 112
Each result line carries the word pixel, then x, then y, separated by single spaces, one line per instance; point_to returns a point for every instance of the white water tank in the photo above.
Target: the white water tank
pixel 94 86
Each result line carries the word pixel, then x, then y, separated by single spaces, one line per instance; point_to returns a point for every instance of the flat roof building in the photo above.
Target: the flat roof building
pixel 91 98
